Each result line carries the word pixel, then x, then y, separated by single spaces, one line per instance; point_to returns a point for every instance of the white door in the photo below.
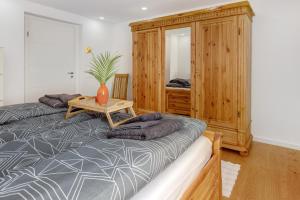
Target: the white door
pixel 50 55
pixel 1 76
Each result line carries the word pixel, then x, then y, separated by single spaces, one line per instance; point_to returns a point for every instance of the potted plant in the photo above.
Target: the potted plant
pixel 103 67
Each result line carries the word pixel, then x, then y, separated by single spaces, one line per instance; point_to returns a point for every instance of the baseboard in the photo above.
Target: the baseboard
pixel 276 143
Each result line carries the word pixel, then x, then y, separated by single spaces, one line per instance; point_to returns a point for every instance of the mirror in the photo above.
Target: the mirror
pixel 178 57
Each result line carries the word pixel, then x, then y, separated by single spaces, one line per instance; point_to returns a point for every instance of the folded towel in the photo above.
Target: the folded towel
pixel 54 103
pixel 63 97
pixel 145 118
pixel 163 128
pixel 177 85
pixel 136 125
pixel 183 82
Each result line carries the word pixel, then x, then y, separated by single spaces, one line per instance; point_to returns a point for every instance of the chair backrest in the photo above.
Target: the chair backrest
pixel 120 86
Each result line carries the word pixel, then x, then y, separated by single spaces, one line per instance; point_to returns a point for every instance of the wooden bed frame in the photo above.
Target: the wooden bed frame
pixel 208 183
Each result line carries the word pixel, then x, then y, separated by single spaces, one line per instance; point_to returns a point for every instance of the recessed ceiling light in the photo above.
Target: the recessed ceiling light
pixel 101 18
pixel 144 8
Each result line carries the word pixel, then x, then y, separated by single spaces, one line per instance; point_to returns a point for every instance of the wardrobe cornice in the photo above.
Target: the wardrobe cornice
pixel 233 9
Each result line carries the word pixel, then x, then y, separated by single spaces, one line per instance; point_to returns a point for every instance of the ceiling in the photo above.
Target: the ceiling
pixel 126 10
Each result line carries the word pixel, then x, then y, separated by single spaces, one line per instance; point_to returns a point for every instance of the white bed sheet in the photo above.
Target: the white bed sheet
pixel 175 179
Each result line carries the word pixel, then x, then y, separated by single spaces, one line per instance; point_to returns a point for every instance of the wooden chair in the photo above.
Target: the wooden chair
pixel 120 86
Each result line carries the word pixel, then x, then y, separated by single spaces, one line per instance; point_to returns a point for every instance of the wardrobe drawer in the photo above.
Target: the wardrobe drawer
pixel 229 137
pixel 179 108
pixel 184 105
pixel 179 111
pixel 178 101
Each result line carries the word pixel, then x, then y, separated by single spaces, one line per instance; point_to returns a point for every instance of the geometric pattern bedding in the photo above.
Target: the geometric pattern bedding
pixel 27 151
pixel 23 111
pixel 28 127
pixel 22 142
pixel 77 161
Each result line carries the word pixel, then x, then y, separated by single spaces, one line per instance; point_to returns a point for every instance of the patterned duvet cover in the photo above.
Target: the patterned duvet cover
pixel 43 156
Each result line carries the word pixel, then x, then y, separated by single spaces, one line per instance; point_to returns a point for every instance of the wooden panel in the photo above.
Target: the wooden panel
pixel 193 71
pixel 147 70
pixel 216 72
pixel 229 136
pixel 178 101
pixel 120 86
pixel 244 79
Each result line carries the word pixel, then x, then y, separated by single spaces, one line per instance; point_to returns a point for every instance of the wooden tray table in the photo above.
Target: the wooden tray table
pixel 86 104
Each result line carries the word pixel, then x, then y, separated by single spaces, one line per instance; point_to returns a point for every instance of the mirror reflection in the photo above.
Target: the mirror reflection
pixel 178 58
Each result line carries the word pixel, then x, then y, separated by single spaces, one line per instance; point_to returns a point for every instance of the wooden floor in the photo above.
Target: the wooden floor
pixel 268 173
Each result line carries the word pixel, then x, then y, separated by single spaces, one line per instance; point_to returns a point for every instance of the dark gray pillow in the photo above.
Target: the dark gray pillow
pixel 52 102
pixel 62 97
pixel 65 97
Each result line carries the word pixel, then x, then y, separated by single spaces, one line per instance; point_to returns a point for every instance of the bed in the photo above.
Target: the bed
pixel 44 156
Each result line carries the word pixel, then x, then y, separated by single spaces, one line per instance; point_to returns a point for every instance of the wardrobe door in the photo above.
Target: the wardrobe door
pixel 147 70
pixel 216 72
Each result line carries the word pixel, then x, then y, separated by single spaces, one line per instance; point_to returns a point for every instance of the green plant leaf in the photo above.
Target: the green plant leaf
pixel 103 66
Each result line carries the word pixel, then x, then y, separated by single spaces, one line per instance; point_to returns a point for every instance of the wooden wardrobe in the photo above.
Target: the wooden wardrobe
pixel 220 66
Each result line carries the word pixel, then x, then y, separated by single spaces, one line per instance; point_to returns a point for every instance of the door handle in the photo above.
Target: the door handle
pixel 71 73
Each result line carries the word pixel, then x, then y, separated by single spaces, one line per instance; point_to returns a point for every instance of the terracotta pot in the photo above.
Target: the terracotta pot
pixel 102 94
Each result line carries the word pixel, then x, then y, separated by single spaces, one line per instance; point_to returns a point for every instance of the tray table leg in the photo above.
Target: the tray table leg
pixel 113 125
pixel 68 114
pixel 110 121
pixel 132 112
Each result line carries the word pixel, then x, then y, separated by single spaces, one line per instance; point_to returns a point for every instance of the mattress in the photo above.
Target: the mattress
pixel 171 183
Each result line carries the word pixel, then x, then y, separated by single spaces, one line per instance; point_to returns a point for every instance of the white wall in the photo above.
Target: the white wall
pixel 184 57
pixel 275 71
pixel 174 50
pixel 93 33
pixel 122 43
